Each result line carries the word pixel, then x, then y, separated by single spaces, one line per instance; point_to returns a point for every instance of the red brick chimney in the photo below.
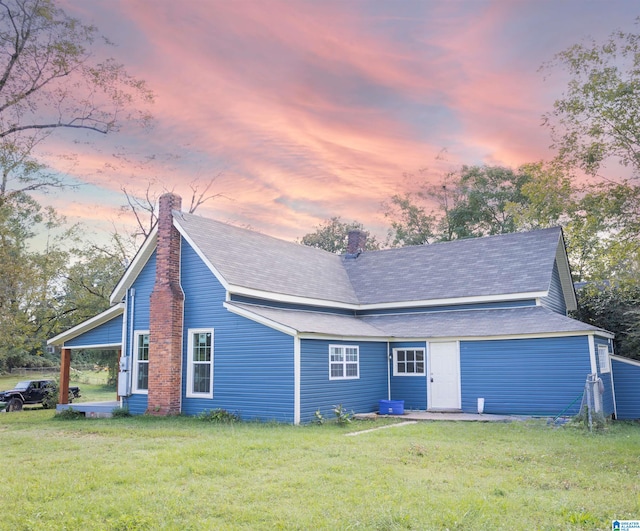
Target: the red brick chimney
pixel 356 242
pixel 166 316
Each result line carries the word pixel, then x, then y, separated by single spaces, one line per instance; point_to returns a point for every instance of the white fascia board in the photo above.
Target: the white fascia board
pixel 564 270
pixel 455 301
pixel 105 346
pixel 242 312
pixel 87 325
pixel 335 337
pixel 292 299
pixel 201 255
pixel 135 267
pixel 391 339
pixel 625 360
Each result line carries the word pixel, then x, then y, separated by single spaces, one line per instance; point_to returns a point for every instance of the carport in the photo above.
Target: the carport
pixel 104 332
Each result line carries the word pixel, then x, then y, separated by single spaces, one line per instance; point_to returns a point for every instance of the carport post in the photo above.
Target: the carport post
pixel 65 366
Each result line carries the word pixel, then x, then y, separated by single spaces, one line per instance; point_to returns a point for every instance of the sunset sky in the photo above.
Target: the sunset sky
pixel 313 109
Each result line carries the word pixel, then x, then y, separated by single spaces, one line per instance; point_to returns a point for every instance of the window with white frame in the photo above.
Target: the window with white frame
pixel 344 362
pixel 200 363
pixel 603 358
pixel 408 362
pixel 141 362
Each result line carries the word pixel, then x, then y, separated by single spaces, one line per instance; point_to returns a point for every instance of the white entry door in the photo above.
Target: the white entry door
pixel 444 376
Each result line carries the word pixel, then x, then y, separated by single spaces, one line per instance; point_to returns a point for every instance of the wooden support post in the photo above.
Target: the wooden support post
pixel 65 367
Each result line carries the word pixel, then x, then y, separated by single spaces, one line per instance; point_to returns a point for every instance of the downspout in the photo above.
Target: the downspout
pixel 388 370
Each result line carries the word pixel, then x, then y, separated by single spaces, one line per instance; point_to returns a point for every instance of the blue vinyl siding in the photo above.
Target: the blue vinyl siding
pixel 411 389
pixel 607 399
pixel 143 286
pixel 361 395
pixel 108 333
pixel 555 300
pixel 290 306
pixel 525 376
pixel 137 404
pixel 451 307
pixel 253 365
pixel 626 378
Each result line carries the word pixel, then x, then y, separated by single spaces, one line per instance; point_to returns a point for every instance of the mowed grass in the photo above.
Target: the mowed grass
pixel 182 473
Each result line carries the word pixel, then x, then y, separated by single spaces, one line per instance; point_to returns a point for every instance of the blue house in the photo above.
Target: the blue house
pixel 210 315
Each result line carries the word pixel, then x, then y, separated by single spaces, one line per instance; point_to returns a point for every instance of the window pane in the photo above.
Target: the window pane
pixel 337 356
pixel 420 367
pixel 411 368
pixel 419 355
pixel 402 367
pixel 143 376
pixel 336 371
pixel 352 369
pixel 410 355
pixel 352 356
pixel 201 378
pixel 202 347
pixel 143 347
pixel 401 355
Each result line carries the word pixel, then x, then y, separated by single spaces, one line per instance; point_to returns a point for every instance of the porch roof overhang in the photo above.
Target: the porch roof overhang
pixel 534 321
pixel 62 339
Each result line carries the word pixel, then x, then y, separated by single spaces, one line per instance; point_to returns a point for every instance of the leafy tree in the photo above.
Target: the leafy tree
pixel 410 223
pixel 614 308
pixel 477 201
pixel 332 236
pixel 598 116
pixel 50 80
pixel 31 281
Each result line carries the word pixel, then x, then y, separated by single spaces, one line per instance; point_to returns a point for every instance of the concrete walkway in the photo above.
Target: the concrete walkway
pixel 455 417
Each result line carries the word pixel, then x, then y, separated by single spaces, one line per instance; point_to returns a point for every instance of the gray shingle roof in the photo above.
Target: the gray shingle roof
pixel 481 267
pixel 495 265
pixel 427 325
pixel 253 260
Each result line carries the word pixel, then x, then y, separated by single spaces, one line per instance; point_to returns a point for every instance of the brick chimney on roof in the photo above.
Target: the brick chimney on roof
pixel 166 316
pixel 356 242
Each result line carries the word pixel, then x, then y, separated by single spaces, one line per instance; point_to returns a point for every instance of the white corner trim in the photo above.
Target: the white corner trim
pixel 592 354
pixel 296 379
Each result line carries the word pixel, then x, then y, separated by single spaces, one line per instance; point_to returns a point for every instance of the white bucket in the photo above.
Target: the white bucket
pixel 480 406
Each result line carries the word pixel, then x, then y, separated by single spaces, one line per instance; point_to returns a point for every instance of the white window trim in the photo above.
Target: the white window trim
pixel 604 364
pixel 136 363
pixel 415 349
pixel 190 363
pixel 344 362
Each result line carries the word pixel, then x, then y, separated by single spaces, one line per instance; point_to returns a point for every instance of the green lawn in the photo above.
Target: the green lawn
pixel 182 473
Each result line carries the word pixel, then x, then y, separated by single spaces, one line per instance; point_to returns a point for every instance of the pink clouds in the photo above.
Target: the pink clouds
pixel 316 109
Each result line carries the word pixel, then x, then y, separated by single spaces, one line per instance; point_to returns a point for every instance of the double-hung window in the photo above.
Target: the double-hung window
pixel 200 363
pixel 603 359
pixel 141 362
pixel 408 362
pixel 344 362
